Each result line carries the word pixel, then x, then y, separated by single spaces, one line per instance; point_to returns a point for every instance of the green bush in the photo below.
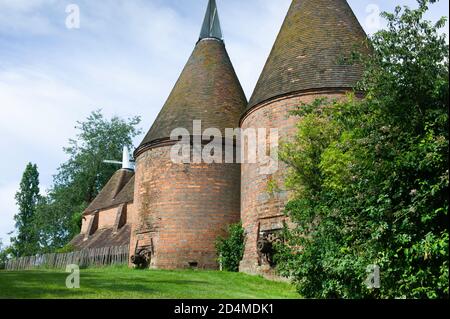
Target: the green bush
pixel 2 261
pixel 4 255
pixel 370 176
pixel 231 249
pixel 66 249
pixel 77 220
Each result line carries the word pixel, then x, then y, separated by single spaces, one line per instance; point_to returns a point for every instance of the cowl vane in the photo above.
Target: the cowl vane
pixel 211 25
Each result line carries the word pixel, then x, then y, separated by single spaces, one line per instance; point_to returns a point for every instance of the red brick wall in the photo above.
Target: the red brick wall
pixel 107 218
pixel 130 213
pixel 259 206
pixel 182 208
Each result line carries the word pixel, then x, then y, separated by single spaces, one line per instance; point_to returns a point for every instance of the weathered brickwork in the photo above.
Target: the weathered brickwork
pixel 181 209
pixel 263 197
pixel 107 218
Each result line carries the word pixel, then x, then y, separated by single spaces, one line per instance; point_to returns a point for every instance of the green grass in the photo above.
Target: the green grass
pixel 124 283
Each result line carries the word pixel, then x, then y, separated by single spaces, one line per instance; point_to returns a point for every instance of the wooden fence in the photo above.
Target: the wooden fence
pixel 84 258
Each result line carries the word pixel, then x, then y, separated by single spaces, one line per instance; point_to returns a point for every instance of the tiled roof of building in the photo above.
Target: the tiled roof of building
pixel 103 238
pixel 117 191
pixel 316 37
pixel 208 90
pixel 126 195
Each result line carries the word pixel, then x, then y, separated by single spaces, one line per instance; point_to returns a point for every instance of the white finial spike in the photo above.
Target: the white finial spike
pixel 126 164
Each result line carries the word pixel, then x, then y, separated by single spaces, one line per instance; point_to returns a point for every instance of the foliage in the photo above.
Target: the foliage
pixel 6 253
pixel 66 249
pixel 3 255
pixel 231 250
pixel 370 176
pixel 98 139
pixel 27 199
pixel 55 220
pixel 82 176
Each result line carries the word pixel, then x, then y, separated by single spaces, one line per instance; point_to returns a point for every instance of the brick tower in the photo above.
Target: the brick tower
pixel 304 64
pixel 182 208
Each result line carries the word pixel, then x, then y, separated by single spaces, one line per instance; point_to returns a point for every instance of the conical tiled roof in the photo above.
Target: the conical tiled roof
pixel 114 192
pixel 308 54
pixel 207 90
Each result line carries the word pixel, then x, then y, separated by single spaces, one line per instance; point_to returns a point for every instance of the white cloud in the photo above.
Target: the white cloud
pixel 25 16
pixel 23 5
pixel 37 108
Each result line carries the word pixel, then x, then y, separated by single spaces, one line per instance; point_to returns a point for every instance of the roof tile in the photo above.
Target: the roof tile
pixel 308 53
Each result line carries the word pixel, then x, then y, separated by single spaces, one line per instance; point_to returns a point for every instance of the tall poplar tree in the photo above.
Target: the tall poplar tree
pixel 25 243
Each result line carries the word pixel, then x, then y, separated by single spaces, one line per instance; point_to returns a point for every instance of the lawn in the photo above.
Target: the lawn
pixel 124 283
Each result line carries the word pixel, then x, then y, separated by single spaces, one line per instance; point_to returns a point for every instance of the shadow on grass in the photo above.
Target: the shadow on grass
pixel 33 285
pixel 52 285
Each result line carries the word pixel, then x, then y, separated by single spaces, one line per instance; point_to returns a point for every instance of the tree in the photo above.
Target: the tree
pixel 80 179
pixel 5 253
pixel 2 255
pixel 27 198
pixel 370 175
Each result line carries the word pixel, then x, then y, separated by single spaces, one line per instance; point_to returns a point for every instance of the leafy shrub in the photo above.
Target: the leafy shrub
pixel 231 250
pixel 66 249
pixel 370 176
pixel 5 253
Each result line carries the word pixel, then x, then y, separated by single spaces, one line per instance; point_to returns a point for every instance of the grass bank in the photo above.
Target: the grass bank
pixel 124 283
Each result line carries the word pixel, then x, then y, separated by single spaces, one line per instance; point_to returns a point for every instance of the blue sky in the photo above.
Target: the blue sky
pixel 124 58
